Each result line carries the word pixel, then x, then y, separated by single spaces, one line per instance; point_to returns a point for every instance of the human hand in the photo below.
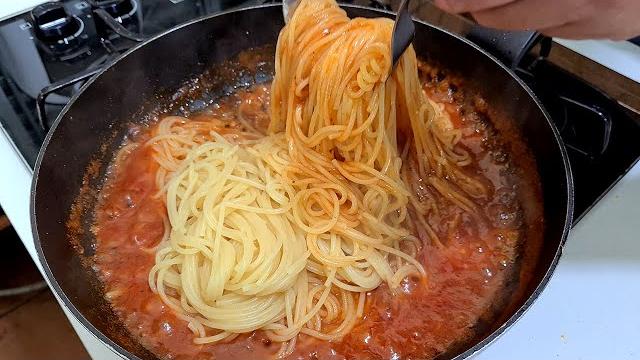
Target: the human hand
pixel 573 19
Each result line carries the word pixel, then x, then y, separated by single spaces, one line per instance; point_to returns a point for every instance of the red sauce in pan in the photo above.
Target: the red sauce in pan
pixel 474 274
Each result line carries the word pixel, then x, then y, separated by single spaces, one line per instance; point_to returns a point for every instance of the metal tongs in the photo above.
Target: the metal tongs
pixel 288 7
pixel 403 28
pixel 403 33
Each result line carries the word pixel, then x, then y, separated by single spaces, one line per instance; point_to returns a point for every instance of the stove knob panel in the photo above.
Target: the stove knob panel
pixel 52 22
pixel 117 8
pixel 54 26
pixel 123 11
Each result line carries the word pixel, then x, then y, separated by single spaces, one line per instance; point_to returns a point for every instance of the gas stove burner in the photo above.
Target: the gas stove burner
pixel 590 136
pixel 600 134
pixel 113 16
pixel 56 28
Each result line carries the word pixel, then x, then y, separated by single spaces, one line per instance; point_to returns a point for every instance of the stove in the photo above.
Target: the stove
pixel 600 134
pixel 50 51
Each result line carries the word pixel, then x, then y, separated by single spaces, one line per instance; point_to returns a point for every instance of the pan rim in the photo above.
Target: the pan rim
pixel 473 350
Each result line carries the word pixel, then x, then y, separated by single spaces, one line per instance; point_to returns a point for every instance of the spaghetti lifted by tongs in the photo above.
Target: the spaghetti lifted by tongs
pixel 286 233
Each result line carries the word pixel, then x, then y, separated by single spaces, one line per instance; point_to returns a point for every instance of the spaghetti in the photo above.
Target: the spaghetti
pixel 286 233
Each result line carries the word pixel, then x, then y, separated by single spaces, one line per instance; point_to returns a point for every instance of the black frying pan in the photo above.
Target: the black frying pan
pixel 91 126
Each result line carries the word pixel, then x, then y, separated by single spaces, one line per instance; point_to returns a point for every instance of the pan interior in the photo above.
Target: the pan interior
pixel 85 137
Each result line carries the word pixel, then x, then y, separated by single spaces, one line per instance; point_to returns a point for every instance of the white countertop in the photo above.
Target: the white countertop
pixel 590 309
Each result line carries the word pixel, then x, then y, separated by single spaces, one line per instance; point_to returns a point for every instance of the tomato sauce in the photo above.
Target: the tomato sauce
pixel 467 277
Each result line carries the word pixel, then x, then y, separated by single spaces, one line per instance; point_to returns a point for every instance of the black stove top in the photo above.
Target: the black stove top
pixel 48 53
pixel 45 52
pixel 602 137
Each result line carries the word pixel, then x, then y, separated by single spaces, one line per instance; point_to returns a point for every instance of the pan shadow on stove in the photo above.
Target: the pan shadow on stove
pixel 32 324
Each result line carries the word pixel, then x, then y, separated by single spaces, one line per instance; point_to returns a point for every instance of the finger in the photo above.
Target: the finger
pixel 534 14
pixel 462 6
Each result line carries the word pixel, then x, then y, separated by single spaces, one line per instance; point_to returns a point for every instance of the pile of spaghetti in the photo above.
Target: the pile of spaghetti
pixel 286 233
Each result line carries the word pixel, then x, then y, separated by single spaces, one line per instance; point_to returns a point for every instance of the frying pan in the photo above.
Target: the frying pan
pixel 89 129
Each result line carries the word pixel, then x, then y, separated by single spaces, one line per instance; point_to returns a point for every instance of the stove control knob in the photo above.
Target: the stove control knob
pixel 121 10
pixel 55 26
